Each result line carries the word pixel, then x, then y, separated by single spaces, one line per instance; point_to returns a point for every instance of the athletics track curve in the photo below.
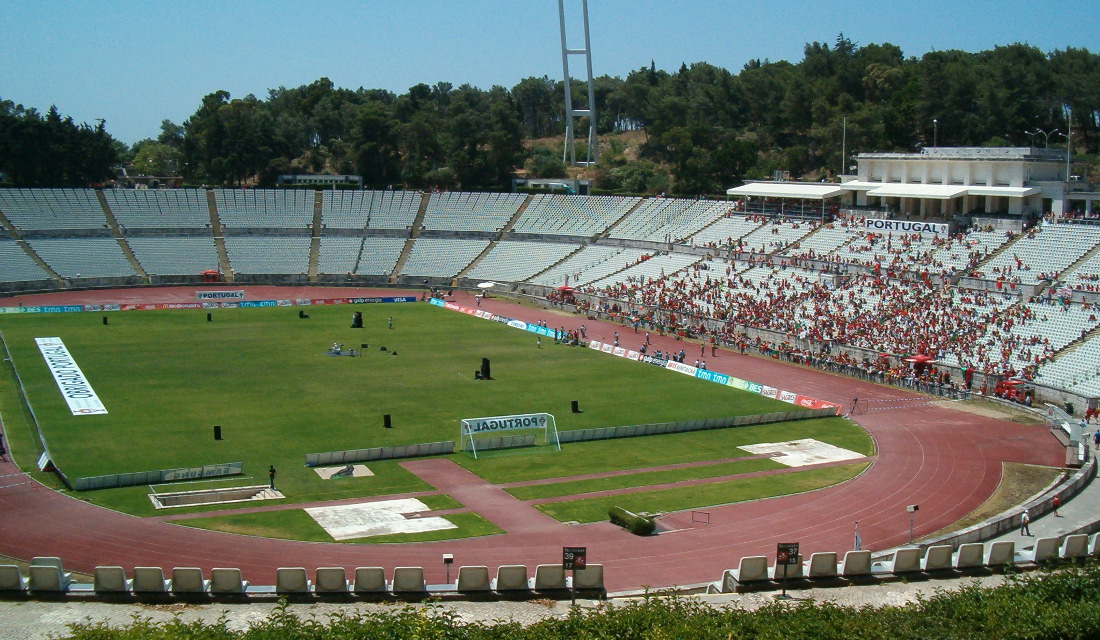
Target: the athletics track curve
pixel 946 460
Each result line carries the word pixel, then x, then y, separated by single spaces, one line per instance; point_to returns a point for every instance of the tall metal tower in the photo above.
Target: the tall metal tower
pixel 569 154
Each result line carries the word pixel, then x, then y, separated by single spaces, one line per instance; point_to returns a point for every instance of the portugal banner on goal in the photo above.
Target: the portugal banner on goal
pixel 509 432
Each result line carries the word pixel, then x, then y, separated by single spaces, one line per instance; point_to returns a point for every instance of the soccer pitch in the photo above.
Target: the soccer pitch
pixel 264 375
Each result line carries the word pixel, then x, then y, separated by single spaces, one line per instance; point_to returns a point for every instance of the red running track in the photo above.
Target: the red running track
pixel 944 459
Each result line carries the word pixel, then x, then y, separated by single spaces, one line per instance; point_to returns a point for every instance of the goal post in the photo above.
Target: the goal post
pixel 507 432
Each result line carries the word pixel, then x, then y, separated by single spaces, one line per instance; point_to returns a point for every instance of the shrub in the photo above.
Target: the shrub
pixel 638 525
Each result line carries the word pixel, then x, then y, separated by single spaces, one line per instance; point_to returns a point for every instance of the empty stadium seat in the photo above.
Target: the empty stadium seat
pixel 150 580
pixel 369 580
pixel 822 565
pixel 11 579
pixel 750 569
pixel 1074 546
pixel 48 578
pixel 549 577
pixel 1094 544
pixel 937 558
pixel 906 560
pixel 787 572
pixel 189 580
pixel 408 580
pixel 111 580
pixel 473 579
pixel 331 580
pixel 969 556
pixel 857 564
pixel 1045 549
pixel 292 580
pixel 1000 553
pixel 589 578
pixel 511 577
pixel 227 581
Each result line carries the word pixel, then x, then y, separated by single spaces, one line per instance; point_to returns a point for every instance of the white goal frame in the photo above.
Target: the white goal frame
pixel 474 429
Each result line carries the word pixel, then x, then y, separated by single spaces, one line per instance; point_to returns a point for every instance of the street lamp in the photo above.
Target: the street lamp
pixel 935 132
pixel 1046 136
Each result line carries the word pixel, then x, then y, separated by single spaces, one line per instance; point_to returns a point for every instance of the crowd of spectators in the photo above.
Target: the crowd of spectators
pixel 893 307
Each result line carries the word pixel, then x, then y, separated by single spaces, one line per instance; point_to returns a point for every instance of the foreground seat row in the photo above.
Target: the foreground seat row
pixel 754 572
pixel 46 576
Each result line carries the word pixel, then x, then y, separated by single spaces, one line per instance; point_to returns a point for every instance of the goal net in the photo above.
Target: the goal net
pixel 479 435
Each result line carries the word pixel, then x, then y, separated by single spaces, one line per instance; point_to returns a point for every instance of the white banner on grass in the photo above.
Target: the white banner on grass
pixel 75 388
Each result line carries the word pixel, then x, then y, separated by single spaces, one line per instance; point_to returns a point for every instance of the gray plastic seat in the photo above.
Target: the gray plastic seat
pixel 331 580
pixel 189 580
pixel 473 579
pixel 111 580
pixel 150 580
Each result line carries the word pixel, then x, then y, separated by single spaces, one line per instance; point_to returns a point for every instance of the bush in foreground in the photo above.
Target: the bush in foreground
pixel 1064 603
pixel 638 525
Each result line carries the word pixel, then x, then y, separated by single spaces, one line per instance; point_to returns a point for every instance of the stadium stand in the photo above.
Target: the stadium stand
pixel 339 254
pixel 591 263
pixel 369 209
pixel 181 255
pixel 265 208
pixel 18 266
pixel 651 268
pixel 1029 258
pixel 555 214
pixel 46 577
pixel 379 255
pixel 668 219
pixel 515 261
pixel 725 231
pixel 465 211
pixel 442 257
pixel 268 254
pixel 83 257
pixel 159 208
pixel 42 209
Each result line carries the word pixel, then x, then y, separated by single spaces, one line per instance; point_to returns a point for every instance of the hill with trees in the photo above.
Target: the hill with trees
pixel 697 130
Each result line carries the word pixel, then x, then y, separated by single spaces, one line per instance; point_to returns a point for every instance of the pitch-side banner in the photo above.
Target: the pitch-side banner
pixel 75 388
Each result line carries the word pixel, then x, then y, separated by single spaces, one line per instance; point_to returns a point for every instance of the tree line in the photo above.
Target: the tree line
pixel 703 128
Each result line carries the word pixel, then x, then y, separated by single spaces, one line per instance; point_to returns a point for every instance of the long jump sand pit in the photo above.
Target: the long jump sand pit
pixel 349 521
pixel 800 453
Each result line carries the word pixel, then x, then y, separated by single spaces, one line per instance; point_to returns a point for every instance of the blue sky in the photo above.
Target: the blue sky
pixel 135 63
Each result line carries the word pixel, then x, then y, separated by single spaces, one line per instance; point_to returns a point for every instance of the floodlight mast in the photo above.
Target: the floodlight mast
pixel 569 153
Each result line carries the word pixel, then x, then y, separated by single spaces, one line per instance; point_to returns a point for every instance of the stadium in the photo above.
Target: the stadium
pixel 209 322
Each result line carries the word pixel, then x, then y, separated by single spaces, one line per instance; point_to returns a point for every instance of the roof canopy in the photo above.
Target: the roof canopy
pixel 802 190
pixel 820 191
pixel 1009 192
pixel 913 190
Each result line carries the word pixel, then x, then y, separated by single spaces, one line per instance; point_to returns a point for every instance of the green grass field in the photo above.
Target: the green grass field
pixel 167 377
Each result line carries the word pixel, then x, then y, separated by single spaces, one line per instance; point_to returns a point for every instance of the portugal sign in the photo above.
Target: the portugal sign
pixel 505 423
pixel 488 431
pixel 75 388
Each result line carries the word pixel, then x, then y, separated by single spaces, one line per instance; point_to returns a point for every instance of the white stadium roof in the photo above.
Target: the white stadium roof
pixel 803 190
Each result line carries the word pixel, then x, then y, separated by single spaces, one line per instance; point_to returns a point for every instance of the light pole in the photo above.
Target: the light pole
pixel 1046 136
pixel 843 145
pixel 935 132
pixel 1069 139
